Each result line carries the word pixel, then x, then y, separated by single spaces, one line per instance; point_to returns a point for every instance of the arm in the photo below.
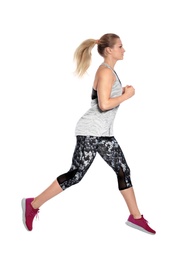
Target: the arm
pixel 104 85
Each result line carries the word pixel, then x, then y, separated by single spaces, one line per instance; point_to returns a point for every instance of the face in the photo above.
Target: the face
pixel 117 51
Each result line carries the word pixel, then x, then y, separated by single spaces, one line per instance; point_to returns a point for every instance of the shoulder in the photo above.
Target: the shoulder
pixel 104 76
pixel 104 73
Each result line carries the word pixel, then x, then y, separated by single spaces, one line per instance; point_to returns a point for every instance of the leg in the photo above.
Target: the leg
pixel 53 190
pixel 30 206
pixel 111 152
pixel 129 197
pixel 84 154
pixel 83 157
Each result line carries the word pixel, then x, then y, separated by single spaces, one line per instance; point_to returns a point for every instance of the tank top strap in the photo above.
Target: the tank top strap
pixel 105 64
pixel 109 67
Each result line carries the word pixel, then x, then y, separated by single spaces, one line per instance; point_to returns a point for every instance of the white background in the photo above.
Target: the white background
pixel 40 103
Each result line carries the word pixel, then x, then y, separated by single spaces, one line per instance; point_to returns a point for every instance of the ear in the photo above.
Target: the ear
pixel 108 50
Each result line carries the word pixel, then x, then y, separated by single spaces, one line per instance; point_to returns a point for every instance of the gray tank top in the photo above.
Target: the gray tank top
pixel 96 122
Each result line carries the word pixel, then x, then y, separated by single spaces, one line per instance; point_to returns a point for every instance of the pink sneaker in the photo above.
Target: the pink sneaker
pixel 28 213
pixel 140 224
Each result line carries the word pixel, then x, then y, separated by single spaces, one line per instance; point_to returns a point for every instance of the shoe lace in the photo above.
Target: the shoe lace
pixel 34 213
pixel 145 220
pixel 37 214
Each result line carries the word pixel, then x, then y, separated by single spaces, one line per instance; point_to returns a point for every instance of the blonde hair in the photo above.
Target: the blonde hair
pixel 83 53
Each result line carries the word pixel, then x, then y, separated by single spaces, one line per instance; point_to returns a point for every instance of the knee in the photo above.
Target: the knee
pixel 70 178
pixel 124 180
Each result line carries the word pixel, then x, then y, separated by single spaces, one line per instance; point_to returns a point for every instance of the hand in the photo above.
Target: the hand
pixel 123 90
pixel 129 91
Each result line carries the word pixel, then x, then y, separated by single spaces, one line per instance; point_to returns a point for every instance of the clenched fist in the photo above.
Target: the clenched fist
pixel 128 91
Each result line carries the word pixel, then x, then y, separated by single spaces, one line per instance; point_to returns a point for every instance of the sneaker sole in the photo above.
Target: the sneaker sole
pixel 23 213
pixel 130 224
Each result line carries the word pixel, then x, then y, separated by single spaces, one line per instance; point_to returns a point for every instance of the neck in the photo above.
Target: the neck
pixel 110 63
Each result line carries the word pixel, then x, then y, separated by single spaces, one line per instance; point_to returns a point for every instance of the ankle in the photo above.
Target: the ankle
pixel 33 204
pixel 137 216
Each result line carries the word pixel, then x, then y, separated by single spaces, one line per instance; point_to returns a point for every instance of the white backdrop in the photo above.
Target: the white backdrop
pixel 40 103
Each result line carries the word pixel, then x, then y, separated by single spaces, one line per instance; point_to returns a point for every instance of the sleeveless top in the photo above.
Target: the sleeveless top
pixel 96 122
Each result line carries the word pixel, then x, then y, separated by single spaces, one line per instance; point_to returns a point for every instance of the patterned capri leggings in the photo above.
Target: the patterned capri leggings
pixel 84 154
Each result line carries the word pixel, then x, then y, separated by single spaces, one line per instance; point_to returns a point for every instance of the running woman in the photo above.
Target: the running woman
pixel 94 132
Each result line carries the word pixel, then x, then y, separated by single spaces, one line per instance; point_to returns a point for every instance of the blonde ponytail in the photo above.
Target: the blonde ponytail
pixel 82 56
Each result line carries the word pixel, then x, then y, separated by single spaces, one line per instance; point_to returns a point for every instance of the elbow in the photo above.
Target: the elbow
pixel 103 107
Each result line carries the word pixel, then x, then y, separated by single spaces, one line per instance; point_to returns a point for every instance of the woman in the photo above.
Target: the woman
pixel 94 132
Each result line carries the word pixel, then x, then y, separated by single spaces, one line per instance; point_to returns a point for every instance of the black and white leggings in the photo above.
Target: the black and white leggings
pixel 84 154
